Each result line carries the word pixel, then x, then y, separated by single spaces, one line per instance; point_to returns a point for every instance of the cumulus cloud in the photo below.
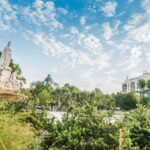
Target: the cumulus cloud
pixel 108 32
pixel 7 15
pixel 148 56
pixel 62 11
pixel 38 4
pixel 43 14
pixel 74 30
pixel 134 59
pixel 92 44
pixel 109 9
pixel 71 56
pixel 83 20
pixel 146 5
pixel 137 28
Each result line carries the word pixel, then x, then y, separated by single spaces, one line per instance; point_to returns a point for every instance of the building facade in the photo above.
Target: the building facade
pixel 131 84
pixel 47 80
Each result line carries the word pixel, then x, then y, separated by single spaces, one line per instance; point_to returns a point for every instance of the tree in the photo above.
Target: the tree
pixel 148 84
pixel 103 101
pixel 145 101
pixel 85 128
pixel 128 101
pixel 138 126
pixel 142 85
pixel 40 94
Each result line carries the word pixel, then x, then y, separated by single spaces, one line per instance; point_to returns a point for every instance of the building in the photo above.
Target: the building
pixel 47 80
pixel 131 84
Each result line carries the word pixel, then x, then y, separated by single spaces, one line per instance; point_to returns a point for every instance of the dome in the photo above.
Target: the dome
pixel 48 79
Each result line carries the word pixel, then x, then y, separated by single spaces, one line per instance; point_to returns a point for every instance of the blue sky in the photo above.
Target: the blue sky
pixel 87 43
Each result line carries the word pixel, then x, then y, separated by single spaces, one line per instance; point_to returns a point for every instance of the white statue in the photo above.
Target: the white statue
pixel 8 79
pixel 6 57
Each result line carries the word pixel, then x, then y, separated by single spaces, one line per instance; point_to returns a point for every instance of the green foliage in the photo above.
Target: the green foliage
pixel 126 101
pixel 82 128
pixel 142 83
pixel 103 101
pixel 148 84
pixel 16 135
pixel 16 68
pixel 14 106
pixel 138 124
pixel 39 95
pixel 145 101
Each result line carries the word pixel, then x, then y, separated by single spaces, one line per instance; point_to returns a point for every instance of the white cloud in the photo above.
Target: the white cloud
pixel 92 44
pixel 109 8
pixel 108 31
pixel 134 59
pixel 146 5
pixel 62 11
pixel 44 14
pixel 74 30
pixel 73 57
pixel 7 15
pixel 137 28
pixel 83 20
pixel 130 1
pixel 38 3
pixel 148 56
pixel 51 45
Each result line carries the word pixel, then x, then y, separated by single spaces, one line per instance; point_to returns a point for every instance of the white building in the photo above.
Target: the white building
pixel 131 84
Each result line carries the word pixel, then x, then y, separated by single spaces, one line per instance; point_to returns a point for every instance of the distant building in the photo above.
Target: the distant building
pixel 131 84
pixel 49 80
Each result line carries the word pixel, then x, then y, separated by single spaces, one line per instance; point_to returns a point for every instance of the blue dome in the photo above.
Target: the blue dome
pixel 48 79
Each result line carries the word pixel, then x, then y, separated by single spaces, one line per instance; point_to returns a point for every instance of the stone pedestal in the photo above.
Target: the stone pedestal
pixel 11 94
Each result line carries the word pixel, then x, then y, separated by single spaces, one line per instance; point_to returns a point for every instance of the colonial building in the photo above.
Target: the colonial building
pixel 47 80
pixel 131 84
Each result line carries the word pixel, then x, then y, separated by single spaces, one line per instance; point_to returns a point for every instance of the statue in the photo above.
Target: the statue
pixel 6 57
pixel 8 79
pixel 13 80
pixel 9 82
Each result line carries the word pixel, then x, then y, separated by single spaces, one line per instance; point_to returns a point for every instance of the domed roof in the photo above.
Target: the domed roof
pixel 48 79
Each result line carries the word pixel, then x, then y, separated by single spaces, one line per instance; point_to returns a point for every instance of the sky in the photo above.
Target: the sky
pixel 87 43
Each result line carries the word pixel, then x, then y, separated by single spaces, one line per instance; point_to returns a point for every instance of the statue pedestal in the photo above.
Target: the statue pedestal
pixel 10 94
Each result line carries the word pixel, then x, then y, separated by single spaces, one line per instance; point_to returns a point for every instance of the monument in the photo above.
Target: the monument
pixel 9 84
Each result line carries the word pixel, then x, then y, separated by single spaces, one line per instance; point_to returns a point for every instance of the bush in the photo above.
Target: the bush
pixel 15 135
pixel 145 101
pixel 83 128
pixel 126 101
